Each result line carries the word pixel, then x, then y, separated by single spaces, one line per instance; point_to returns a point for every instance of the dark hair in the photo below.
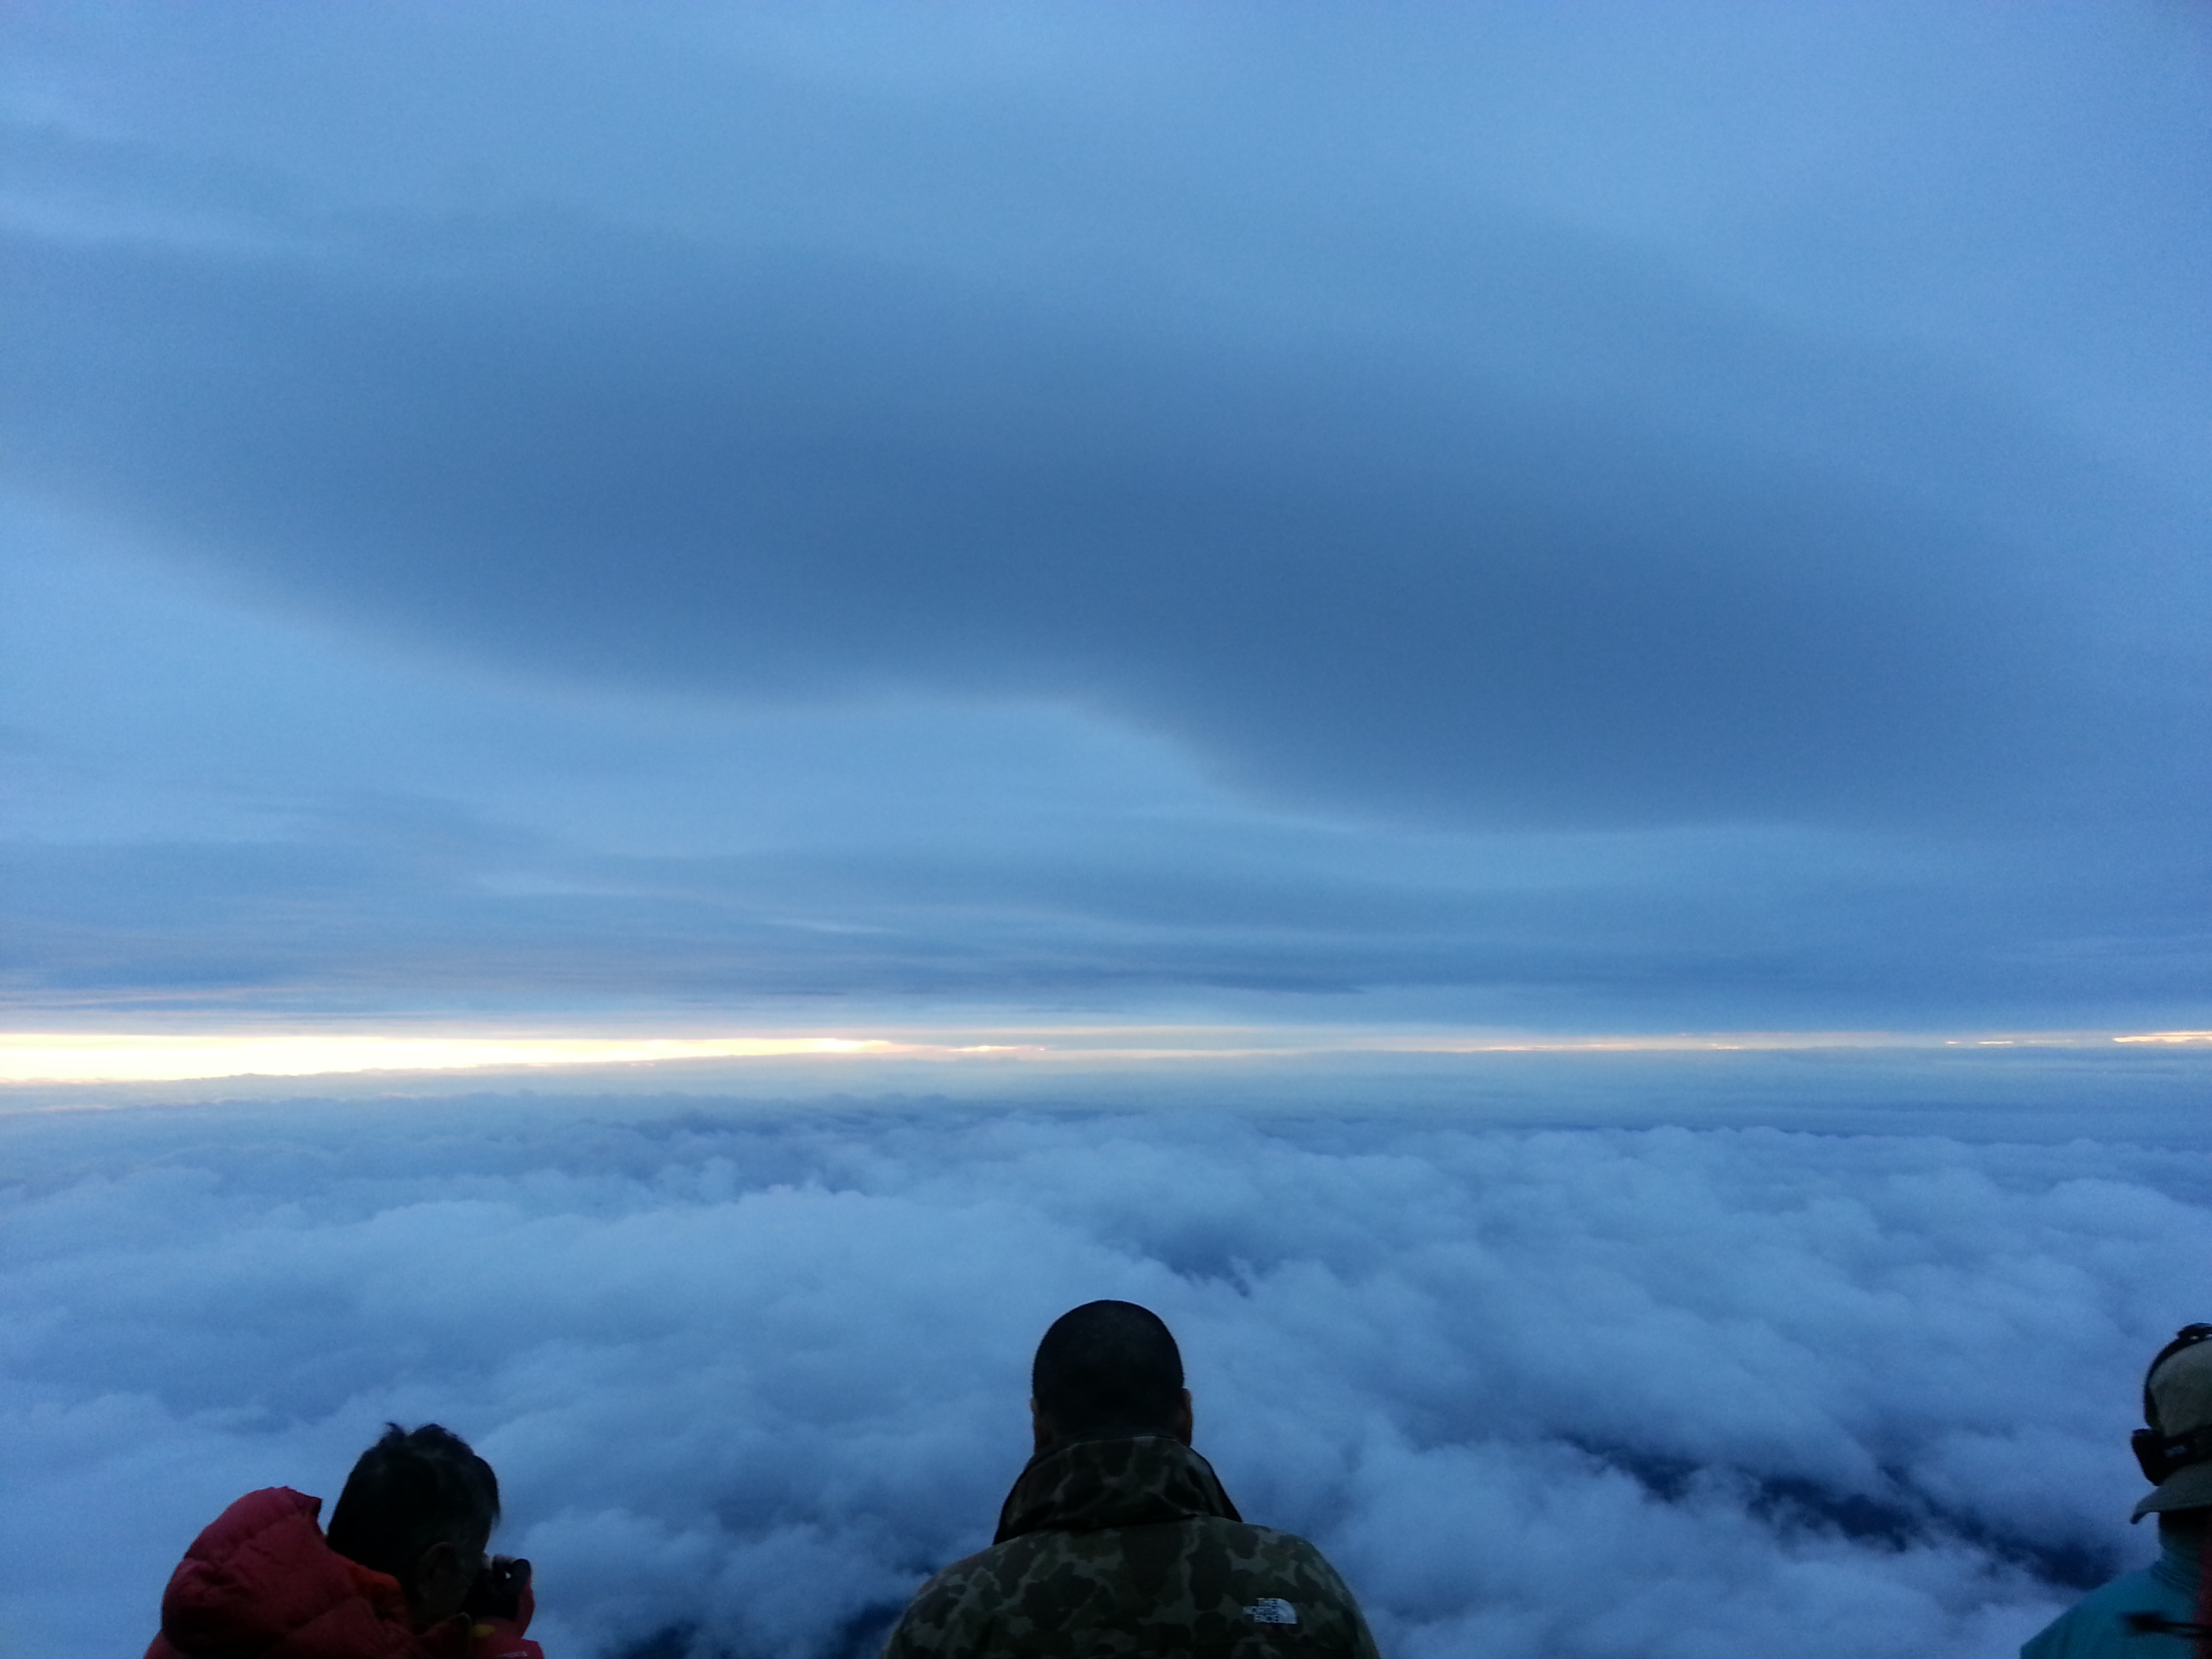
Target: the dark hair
pixel 413 1488
pixel 1107 1365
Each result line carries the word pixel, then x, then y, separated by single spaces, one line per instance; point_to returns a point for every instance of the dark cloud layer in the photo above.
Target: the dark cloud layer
pixel 1356 567
pixel 1453 509
pixel 1328 433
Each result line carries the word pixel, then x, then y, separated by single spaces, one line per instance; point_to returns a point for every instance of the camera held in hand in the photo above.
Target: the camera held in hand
pixel 497 1591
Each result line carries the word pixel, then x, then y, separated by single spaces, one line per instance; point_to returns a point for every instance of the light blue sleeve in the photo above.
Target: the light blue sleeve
pixel 2096 1627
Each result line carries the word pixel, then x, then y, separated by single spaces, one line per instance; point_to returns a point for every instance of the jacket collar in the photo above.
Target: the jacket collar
pixel 1087 1483
pixel 2179 1560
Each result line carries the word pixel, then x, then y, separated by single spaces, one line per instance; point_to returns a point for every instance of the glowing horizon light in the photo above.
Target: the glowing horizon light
pixel 83 1057
pixel 78 1058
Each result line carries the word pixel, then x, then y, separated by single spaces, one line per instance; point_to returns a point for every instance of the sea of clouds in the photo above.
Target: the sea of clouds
pixel 750 1371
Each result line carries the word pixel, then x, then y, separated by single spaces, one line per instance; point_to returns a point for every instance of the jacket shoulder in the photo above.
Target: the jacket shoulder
pixel 260 1581
pixel 1201 1585
pixel 1316 1594
pixel 257 1512
pixel 937 1603
pixel 2096 1626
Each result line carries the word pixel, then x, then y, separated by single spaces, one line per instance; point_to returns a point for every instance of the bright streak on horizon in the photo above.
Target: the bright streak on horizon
pixel 50 1058
pixel 102 1057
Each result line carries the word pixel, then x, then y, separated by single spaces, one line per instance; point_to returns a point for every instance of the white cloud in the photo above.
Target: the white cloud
pixel 750 1371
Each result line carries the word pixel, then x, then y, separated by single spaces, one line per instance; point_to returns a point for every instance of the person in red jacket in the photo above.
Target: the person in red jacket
pixel 401 1574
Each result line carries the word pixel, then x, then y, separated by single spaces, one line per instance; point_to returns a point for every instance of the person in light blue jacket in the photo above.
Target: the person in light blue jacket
pixel 2163 1612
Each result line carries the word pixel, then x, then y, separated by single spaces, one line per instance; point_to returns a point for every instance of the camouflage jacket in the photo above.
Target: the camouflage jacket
pixel 1129 1546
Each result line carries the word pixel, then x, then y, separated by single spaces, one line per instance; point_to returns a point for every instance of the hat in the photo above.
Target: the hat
pixel 2177 1399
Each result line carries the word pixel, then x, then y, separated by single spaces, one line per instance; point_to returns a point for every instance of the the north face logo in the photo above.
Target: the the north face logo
pixel 1271 1610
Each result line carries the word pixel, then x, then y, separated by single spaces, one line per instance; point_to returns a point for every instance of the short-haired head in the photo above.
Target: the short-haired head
pixel 1107 1367
pixel 413 1491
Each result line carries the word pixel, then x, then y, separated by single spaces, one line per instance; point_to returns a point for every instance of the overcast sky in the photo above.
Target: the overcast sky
pixel 1608 517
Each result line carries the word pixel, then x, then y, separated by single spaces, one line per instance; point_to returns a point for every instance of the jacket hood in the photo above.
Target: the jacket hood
pixel 262 1576
pixel 1134 1480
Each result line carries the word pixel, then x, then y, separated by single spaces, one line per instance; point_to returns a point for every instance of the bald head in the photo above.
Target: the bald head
pixel 1109 1367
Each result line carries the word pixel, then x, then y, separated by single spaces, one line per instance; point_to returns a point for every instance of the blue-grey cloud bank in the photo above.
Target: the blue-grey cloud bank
pixel 1640 515
pixel 749 1371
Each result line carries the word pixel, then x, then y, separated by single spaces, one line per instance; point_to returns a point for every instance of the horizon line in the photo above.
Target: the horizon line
pixel 48 1058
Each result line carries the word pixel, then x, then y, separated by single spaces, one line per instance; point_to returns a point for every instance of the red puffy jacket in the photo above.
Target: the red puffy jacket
pixel 261 1584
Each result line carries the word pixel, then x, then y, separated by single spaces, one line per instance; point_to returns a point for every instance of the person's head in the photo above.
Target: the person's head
pixel 420 1506
pixel 2175 1449
pixel 1109 1368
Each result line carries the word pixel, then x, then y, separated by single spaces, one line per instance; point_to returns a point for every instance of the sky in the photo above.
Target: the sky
pixel 702 706
pixel 684 520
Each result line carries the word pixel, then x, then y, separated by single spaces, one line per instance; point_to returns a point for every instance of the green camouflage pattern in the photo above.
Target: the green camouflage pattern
pixel 1129 1546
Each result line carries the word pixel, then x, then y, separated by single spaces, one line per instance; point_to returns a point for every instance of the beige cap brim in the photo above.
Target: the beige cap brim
pixel 2185 1489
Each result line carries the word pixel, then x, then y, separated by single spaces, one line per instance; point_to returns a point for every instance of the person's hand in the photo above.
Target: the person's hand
pixel 497 1592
